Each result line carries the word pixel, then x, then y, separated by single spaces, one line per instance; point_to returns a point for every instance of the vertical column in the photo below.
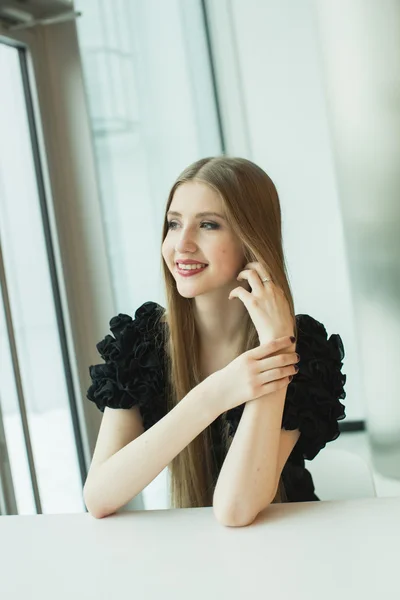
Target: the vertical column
pixel 360 41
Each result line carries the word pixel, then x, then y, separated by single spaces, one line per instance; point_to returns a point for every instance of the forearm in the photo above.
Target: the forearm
pixel 247 480
pixel 127 472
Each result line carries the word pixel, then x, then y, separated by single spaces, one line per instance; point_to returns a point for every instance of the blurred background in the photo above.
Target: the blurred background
pixel 102 104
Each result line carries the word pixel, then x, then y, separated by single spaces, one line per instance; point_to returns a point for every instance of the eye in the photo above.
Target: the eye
pixel 213 226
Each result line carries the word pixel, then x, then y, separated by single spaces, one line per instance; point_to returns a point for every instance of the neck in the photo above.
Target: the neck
pixel 220 324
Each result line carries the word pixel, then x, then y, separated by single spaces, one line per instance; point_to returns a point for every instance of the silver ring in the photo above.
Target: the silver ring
pixel 266 279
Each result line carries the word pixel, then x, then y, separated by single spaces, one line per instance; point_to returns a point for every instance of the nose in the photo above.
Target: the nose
pixel 185 243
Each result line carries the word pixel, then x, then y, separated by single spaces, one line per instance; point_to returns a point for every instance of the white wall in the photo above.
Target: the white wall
pixel 282 125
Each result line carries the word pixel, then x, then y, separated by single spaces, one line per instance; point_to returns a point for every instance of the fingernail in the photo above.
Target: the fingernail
pixel 292 339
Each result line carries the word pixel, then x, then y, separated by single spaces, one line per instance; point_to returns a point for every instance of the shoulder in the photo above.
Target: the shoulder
pixel 133 371
pixel 311 331
pixel 123 326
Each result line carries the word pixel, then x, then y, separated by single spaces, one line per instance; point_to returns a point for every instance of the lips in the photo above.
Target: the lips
pixel 190 272
pixel 189 262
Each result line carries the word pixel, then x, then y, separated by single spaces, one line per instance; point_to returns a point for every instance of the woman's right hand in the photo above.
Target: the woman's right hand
pixel 253 374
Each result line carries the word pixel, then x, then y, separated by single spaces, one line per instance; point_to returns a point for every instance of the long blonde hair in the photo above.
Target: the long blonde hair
pixel 252 208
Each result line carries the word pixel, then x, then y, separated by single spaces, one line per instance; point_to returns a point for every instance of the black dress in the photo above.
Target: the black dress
pixel 134 374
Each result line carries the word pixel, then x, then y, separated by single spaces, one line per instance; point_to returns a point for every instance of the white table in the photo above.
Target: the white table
pixel 311 550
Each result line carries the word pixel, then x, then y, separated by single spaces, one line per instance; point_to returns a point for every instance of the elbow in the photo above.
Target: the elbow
pixel 231 517
pixel 92 509
pixel 236 516
pixel 96 515
pixel 97 511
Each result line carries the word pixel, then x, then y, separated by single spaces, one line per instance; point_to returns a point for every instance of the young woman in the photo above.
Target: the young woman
pixel 226 386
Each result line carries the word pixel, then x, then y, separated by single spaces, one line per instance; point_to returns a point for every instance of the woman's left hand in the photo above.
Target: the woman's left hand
pixel 266 304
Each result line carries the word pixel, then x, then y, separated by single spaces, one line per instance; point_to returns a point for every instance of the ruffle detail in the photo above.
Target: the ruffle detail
pixel 133 372
pixel 313 396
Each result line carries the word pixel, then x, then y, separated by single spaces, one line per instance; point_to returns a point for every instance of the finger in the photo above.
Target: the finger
pixel 242 294
pixel 275 374
pixel 272 386
pixel 258 268
pixel 263 350
pixel 275 362
pixel 253 279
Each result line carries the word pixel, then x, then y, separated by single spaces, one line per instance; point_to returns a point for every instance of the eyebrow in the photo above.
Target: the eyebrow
pixel 200 214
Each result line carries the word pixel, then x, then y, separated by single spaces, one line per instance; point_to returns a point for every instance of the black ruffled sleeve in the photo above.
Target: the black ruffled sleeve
pixel 313 397
pixel 133 372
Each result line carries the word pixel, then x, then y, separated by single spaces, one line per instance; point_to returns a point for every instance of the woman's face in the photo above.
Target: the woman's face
pixel 205 238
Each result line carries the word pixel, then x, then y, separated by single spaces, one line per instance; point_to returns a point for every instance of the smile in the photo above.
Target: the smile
pixel 191 271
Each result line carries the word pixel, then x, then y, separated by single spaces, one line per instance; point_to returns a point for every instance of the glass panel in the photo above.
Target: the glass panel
pixel 34 319
pixel 152 111
pixel 149 119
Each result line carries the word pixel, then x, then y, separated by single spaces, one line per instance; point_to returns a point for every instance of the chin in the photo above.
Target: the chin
pixel 186 293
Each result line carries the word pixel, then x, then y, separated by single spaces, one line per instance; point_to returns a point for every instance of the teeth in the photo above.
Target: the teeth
pixel 190 267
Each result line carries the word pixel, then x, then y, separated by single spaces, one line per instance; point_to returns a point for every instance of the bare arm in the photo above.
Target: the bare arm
pixel 247 482
pixel 249 477
pixel 115 481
